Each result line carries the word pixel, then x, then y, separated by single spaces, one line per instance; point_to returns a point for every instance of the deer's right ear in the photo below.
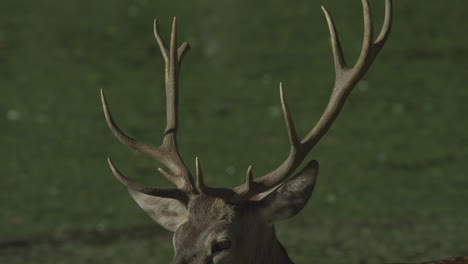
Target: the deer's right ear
pixel 167 212
pixel 289 199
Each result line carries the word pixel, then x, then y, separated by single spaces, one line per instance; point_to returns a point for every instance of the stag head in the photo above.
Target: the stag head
pixel 221 225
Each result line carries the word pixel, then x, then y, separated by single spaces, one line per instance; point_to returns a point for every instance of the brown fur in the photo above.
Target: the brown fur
pixel 211 219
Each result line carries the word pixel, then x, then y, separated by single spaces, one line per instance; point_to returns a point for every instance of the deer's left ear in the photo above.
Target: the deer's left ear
pixel 289 199
pixel 167 212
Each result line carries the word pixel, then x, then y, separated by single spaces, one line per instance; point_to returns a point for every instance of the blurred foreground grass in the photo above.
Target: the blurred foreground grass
pixel 393 184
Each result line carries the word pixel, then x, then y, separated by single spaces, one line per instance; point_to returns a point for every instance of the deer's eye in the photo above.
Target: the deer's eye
pixel 221 245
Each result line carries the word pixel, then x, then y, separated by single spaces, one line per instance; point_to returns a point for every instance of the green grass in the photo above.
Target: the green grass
pixel 393 184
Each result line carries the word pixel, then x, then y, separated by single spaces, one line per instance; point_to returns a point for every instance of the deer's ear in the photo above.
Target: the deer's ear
pixel 167 212
pixel 289 199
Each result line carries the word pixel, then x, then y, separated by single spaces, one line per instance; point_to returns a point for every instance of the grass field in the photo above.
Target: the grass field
pixel 393 184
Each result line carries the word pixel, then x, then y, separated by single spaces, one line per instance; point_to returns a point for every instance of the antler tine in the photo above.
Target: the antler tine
pixel 184 48
pixel 161 44
pixel 338 57
pixel 346 79
pixel 368 41
pixel 223 193
pixel 249 178
pixel 293 138
pixel 150 190
pixel 387 26
pixel 167 153
pixel 200 181
pixel 147 149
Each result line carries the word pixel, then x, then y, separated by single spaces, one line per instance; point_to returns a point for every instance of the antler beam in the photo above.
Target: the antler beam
pixel 345 80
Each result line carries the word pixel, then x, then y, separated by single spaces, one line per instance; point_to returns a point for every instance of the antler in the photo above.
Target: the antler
pixel 167 153
pixel 345 80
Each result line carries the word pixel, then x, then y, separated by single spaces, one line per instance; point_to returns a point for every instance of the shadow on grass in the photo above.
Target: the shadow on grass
pixel 88 237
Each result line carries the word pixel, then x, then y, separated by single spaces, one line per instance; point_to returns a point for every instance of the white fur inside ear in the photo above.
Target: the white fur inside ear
pixel 167 212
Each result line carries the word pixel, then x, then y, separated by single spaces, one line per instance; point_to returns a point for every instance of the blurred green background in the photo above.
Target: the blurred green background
pixel 393 184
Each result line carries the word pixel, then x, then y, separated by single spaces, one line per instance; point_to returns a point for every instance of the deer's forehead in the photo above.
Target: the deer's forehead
pixel 207 217
pixel 211 209
pixel 207 221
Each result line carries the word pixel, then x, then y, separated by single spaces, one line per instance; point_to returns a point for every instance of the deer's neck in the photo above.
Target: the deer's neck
pixel 272 251
pixel 284 255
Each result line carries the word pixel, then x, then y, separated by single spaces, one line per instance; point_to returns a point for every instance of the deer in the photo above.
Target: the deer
pixel 214 225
